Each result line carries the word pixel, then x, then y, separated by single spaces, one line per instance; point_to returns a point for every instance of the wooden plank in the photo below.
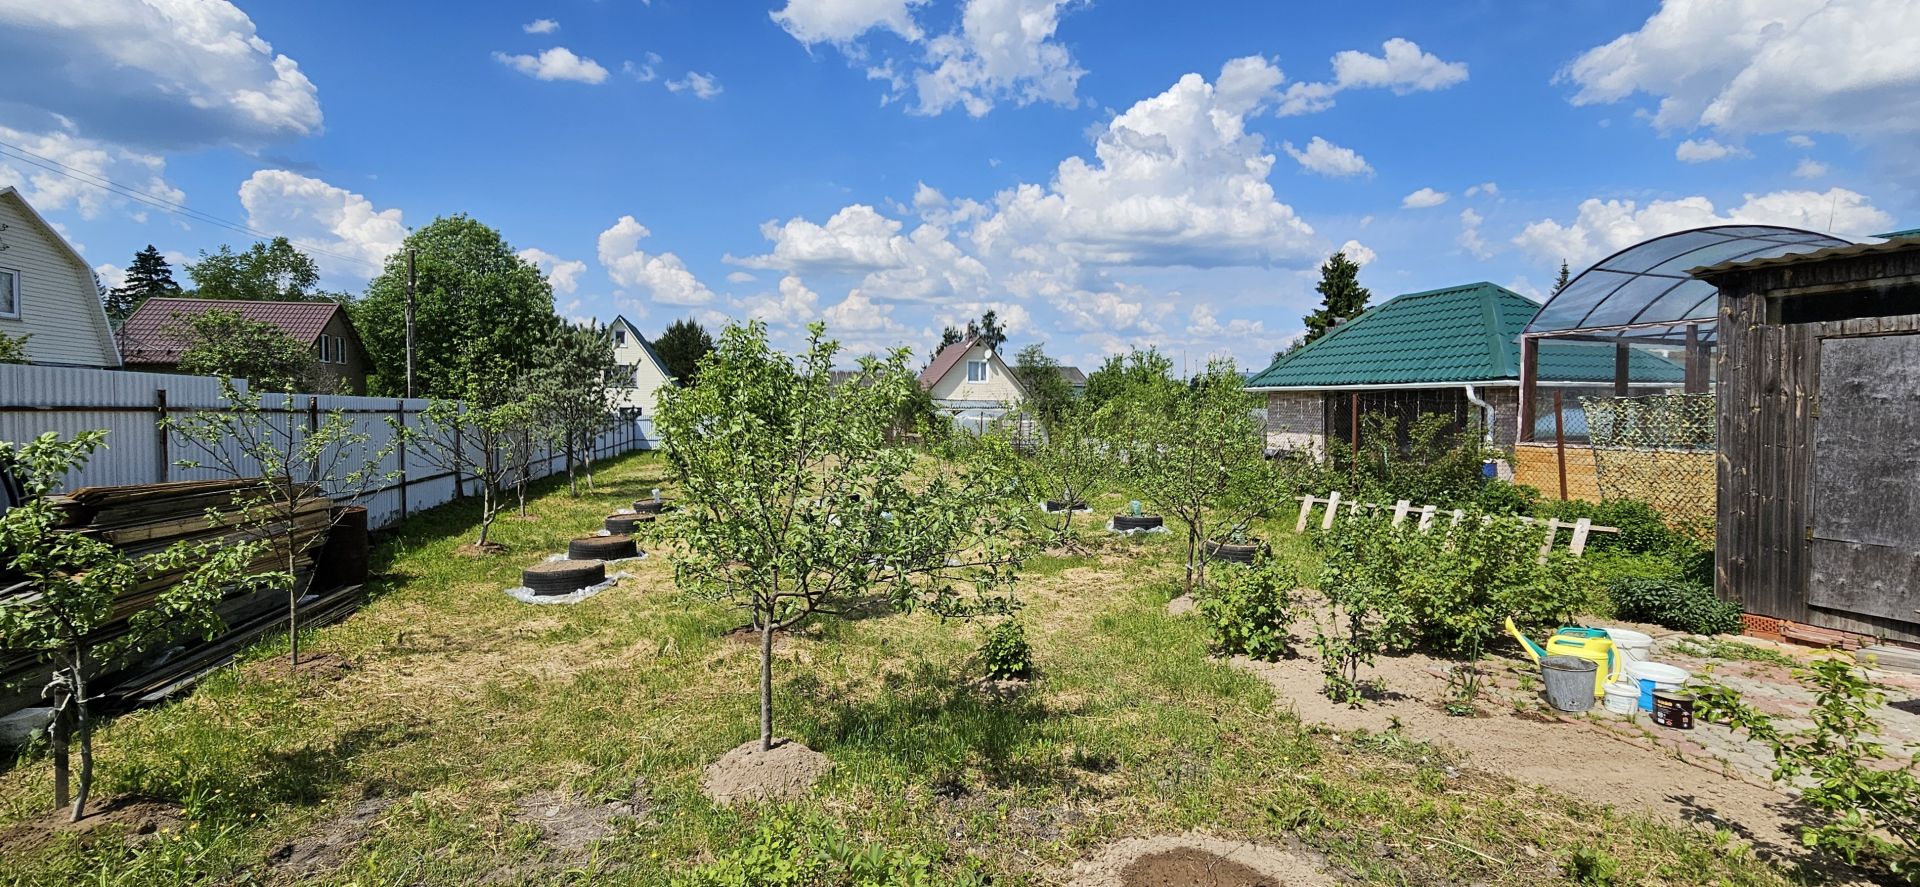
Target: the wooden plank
pixel 1426 517
pixel 1333 510
pixel 1581 527
pixel 1400 510
pixel 1306 506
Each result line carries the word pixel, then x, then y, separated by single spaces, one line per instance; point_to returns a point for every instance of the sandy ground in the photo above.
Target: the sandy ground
pixel 1197 860
pixel 1514 737
pixel 746 773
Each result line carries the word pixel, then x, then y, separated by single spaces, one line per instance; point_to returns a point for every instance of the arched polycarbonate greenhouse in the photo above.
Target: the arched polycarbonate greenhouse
pixel 1648 432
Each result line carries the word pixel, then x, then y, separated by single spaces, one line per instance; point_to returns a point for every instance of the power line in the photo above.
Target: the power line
pixel 158 202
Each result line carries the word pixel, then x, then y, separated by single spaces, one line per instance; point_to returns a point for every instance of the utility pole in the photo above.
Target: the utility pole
pixel 410 282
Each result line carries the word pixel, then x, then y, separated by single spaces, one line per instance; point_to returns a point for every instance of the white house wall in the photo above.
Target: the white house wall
pixel 59 307
pixel 1000 386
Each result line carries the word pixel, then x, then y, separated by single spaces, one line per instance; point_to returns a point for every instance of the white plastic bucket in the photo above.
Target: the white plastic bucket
pixel 1623 698
pixel 1663 676
pixel 1633 645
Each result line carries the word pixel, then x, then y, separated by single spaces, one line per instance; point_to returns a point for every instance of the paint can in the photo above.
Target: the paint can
pixel 1623 698
pixel 1673 708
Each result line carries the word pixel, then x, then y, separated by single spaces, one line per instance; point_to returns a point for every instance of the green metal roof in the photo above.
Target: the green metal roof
pixel 1458 334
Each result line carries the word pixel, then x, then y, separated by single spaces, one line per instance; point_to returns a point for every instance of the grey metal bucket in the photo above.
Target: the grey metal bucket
pixel 1569 681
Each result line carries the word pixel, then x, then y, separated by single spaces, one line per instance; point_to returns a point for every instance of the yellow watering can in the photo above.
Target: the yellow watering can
pixel 1587 643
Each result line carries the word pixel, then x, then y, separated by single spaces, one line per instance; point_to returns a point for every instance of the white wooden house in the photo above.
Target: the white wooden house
pixel 641 373
pixel 48 293
pixel 970 383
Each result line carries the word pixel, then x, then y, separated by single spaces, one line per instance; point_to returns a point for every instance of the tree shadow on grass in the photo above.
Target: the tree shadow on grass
pixel 927 722
pixel 305 774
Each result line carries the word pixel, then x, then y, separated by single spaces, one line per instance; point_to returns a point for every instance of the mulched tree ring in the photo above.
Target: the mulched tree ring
pixel 1140 522
pixel 650 505
pixel 602 548
pixel 563 577
pixel 625 524
pixel 1233 552
pixel 1058 505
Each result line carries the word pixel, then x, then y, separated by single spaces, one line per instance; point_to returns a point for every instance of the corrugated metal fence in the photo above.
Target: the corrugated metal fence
pixel 69 400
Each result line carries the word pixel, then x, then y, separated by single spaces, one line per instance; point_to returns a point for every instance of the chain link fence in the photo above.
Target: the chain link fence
pixel 1659 449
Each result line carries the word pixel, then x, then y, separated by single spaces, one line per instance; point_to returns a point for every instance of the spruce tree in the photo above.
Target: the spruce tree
pixel 1563 280
pixel 1343 298
pixel 681 347
pixel 148 277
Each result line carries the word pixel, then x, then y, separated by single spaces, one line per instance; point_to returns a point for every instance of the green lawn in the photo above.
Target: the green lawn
pixel 459 701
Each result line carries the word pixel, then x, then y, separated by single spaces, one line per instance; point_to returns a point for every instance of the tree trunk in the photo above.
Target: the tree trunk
pixel 766 682
pixel 1192 550
pixel 84 727
pixel 57 738
pixel 293 621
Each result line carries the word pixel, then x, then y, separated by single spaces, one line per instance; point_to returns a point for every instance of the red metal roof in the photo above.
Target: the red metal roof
pixel 152 335
pixel 945 360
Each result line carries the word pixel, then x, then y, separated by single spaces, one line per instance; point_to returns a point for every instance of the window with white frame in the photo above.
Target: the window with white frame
pixel 9 293
pixel 339 349
pixel 976 371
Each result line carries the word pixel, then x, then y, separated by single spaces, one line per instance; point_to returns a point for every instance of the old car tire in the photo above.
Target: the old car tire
pixel 625 524
pixel 1142 522
pixel 563 577
pixel 602 548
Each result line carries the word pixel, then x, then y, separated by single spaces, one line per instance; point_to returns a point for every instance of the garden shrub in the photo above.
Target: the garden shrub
pixel 1501 497
pixel 1642 529
pixel 792 849
pixel 1249 610
pixel 1484 570
pixel 1005 655
pixel 1683 606
pixel 1425 462
pixel 1363 570
pixel 1860 806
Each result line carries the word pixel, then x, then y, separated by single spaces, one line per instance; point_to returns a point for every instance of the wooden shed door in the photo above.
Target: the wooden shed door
pixel 1865 550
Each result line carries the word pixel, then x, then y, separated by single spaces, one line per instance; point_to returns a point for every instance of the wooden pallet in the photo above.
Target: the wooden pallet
pixel 1426 515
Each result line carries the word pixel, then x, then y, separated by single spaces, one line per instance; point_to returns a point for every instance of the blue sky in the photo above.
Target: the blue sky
pixel 1105 173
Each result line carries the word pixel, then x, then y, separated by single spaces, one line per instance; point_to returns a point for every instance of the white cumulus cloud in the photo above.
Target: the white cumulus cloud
pixel 1470 238
pixel 1809 168
pixel 1401 67
pixel 311 211
pixel 1004 49
pixel 1328 159
pixel 558 63
pixel 1490 189
pixel 541 26
pixel 1358 253
pixel 842 21
pixel 1705 150
pixel 48 190
pixel 703 86
pixel 1751 66
pixel 663 276
pixel 164 75
pixel 563 274
pixel 1603 227
pixel 1425 197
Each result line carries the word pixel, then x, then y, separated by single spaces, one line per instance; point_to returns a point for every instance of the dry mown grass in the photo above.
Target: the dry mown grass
pixel 461 703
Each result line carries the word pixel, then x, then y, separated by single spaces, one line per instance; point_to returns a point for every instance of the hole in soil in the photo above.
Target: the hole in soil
pixel 1188 867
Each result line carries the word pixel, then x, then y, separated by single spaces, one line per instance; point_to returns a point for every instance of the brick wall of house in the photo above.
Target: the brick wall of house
pixel 1296 420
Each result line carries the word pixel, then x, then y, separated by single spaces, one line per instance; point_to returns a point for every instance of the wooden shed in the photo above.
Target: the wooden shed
pixel 1819 427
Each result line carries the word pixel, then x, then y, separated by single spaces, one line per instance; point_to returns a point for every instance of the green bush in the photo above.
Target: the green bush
pixel 791 849
pixel 1005 655
pixel 1684 606
pixel 1469 579
pixel 1364 568
pixel 1248 609
pixel 1642 529
pixel 1501 497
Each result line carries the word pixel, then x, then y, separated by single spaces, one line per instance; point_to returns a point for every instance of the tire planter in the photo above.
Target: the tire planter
pixel 601 548
pixel 1142 522
pixel 650 506
pixel 1057 505
pixel 562 577
pixel 625 524
pixel 1233 552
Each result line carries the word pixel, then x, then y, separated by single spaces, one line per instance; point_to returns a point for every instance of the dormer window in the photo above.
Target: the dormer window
pixel 620 338
pixel 976 371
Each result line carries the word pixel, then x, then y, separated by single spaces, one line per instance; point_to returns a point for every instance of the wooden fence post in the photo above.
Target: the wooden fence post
pixel 160 428
pixel 1560 443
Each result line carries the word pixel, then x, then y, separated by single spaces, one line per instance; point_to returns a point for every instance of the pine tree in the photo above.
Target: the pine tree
pixel 148 277
pixel 681 347
pixel 989 330
pixel 1343 298
pixel 1564 279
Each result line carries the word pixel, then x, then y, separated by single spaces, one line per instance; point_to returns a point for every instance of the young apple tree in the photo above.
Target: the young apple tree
pixel 1071 465
pixel 73 592
pixel 792 505
pixel 478 440
pixel 311 463
pixel 1198 453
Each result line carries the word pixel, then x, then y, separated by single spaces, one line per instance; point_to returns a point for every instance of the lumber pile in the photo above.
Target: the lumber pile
pixel 144 519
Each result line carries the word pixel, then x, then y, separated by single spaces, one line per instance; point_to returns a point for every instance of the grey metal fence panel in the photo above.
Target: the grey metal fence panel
pixel 68 400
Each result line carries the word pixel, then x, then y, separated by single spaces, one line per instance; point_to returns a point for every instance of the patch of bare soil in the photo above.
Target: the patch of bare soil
pixel 330 844
pixel 137 819
pixel 568 823
pixel 785 772
pixel 1517 739
pixel 1197 860
pixel 1182 605
pixel 311 665
pixel 470 549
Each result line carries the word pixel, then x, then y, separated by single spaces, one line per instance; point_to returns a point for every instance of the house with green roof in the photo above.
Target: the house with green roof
pixel 1453 351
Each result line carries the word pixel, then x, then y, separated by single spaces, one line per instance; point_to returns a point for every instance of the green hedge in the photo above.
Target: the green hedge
pixel 1685 606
